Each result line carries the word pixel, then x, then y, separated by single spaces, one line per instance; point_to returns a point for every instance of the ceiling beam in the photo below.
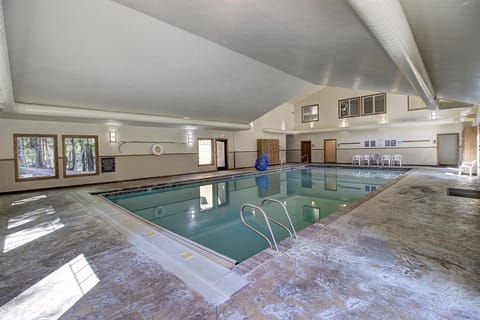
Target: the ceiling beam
pixel 388 23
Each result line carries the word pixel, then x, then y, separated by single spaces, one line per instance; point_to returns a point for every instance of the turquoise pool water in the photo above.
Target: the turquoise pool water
pixel 209 213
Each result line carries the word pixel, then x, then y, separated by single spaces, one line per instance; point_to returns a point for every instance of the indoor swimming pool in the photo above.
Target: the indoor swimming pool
pixel 208 213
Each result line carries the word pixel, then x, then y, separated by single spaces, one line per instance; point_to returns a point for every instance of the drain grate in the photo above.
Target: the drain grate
pixel 466 193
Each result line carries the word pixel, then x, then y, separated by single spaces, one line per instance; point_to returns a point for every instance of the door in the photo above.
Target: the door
pixel 221 153
pixel 306 153
pixel 330 150
pixel 271 147
pixel 447 149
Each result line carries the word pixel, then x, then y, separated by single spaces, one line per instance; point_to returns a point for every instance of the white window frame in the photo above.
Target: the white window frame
pixel 374 107
pixel 346 103
pixel 201 161
pixel 310 113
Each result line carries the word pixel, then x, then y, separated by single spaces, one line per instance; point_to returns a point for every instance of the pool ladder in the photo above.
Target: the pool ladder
pixel 273 242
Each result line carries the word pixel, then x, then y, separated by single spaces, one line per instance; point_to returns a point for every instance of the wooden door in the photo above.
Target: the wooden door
pixel 330 151
pixel 271 147
pixel 470 143
pixel 306 153
pixel 447 149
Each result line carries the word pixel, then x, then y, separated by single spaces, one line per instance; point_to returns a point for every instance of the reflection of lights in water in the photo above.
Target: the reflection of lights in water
pixel 253 212
pixel 191 213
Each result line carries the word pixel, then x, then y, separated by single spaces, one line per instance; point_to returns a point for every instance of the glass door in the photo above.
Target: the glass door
pixel 221 153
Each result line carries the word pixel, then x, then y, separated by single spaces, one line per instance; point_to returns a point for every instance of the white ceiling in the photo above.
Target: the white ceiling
pixel 224 60
pixel 100 54
pixel 447 33
pixel 323 42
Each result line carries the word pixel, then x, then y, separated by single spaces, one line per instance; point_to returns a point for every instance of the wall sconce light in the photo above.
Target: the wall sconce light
pixel 434 115
pixel 189 138
pixel 112 136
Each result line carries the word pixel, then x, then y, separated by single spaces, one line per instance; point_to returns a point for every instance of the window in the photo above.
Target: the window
pixel 35 156
pixel 415 103
pixel 80 155
pixel 205 152
pixel 206 197
pixel 349 107
pixel 310 113
pixel 374 104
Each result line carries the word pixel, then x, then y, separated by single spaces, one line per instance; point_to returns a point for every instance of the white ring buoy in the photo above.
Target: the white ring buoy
pixel 157 149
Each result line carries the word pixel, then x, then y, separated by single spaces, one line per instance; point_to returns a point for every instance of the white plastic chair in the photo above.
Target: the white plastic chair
pixel 466 165
pixel 365 158
pixel 386 158
pixel 356 159
pixel 375 158
pixel 396 158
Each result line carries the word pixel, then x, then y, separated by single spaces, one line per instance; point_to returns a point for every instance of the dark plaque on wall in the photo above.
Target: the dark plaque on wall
pixel 108 164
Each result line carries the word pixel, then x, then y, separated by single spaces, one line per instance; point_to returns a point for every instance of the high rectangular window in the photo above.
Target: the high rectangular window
pixel 374 104
pixel 205 152
pixel 35 156
pixel 349 108
pixel 310 113
pixel 80 155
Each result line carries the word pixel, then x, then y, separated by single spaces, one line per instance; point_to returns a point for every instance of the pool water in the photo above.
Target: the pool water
pixel 209 213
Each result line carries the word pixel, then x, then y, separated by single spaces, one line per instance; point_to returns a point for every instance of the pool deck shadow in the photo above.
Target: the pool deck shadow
pixel 409 252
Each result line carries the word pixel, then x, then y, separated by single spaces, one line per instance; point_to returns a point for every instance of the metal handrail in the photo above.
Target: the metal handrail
pixel 281 225
pixel 304 156
pixel 286 214
pixel 272 246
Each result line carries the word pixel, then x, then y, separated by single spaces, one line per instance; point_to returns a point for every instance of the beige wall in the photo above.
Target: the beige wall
pixel 417 143
pixel 133 162
pixel 352 142
pixel 246 141
pixel 327 99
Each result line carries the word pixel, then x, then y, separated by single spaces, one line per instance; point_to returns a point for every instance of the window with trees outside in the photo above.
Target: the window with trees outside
pixel 35 156
pixel 80 155
pixel 205 152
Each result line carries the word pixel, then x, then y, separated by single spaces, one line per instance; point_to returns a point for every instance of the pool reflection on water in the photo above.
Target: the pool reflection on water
pixel 209 213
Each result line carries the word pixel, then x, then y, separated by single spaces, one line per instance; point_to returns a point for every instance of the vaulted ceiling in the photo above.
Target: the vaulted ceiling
pixel 224 60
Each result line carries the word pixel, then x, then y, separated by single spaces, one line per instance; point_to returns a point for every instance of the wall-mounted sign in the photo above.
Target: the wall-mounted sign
pixel 108 164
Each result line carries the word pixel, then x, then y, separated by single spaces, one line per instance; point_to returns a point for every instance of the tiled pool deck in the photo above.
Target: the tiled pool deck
pixel 409 252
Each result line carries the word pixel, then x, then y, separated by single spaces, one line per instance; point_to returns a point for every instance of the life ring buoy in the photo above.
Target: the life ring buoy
pixel 157 149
